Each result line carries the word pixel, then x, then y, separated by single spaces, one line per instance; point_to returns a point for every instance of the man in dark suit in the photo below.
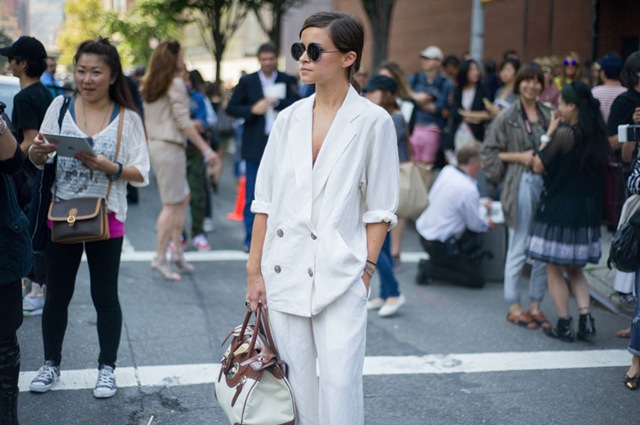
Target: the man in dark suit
pixel 257 98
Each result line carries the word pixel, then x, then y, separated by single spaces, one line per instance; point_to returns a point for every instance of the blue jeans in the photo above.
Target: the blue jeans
pixel 388 283
pixel 251 174
pixel 634 342
pixel 529 190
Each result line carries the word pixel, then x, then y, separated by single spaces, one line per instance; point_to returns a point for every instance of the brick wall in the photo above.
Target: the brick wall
pixel 446 23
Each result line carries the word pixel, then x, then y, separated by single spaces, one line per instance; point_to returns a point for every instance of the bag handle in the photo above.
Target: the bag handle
pixel 115 157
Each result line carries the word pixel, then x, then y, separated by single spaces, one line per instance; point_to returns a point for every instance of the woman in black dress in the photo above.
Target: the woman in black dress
pixel 566 229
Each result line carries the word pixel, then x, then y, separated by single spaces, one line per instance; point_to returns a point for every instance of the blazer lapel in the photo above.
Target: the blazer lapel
pixel 339 137
pixel 299 139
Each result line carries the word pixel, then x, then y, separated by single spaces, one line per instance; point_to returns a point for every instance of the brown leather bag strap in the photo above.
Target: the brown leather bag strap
pixel 115 157
pixel 267 330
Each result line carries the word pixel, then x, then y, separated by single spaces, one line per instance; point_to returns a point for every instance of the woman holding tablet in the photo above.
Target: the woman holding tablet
pixel 95 111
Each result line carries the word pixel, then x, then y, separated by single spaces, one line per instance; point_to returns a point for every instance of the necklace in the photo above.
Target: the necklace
pixel 84 117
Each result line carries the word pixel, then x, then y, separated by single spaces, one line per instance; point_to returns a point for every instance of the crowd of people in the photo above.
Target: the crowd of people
pixel 320 156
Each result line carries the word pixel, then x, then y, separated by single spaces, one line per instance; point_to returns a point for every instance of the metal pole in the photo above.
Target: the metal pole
pixel 477 31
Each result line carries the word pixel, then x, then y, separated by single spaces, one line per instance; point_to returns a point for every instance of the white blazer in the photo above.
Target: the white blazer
pixel 315 246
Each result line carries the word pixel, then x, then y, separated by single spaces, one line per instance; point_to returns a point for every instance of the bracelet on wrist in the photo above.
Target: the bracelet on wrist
pixel 372 263
pixel 4 127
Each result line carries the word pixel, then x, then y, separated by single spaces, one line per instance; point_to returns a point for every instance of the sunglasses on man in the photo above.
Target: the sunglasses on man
pixel 572 62
pixel 314 51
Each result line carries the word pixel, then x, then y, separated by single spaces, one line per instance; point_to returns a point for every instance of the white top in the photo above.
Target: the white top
pixel 315 246
pixel 454 205
pixel 467 98
pixel 606 95
pixel 271 114
pixel 76 180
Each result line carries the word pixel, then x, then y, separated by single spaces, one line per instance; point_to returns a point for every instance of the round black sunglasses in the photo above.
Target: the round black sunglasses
pixel 314 51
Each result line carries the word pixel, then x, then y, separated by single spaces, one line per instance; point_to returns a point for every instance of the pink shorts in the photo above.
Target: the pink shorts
pixel 426 142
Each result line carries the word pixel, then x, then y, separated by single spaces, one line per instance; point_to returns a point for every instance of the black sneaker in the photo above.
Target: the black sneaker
pixel 106 385
pixel 563 330
pixel 47 375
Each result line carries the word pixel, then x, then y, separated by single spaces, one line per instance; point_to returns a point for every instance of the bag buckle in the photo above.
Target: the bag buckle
pixel 71 219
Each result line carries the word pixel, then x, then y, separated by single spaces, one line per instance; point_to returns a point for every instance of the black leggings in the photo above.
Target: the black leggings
pixel 62 268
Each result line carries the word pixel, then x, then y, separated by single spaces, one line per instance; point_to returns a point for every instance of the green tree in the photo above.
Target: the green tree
pixel 218 19
pixel 379 13
pixel 146 21
pixel 269 14
pixel 83 20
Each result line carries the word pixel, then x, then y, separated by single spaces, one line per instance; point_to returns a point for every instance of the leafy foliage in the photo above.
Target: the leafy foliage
pixel 84 19
pixel 146 21
pixel 275 10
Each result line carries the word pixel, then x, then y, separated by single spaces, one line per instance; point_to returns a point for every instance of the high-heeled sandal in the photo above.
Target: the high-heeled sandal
pixel 181 264
pixel 165 270
pixel 631 382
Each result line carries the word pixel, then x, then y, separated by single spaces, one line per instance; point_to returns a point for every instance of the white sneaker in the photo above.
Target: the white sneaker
pixel 33 303
pixel 201 243
pixel 47 375
pixel 208 225
pixel 106 385
pixel 390 309
pixel 375 304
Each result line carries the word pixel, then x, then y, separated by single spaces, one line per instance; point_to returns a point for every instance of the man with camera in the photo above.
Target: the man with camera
pixel 626 109
pixel 450 227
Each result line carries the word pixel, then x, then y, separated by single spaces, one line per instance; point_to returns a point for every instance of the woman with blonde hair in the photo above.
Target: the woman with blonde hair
pixel 570 70
pixel 168 123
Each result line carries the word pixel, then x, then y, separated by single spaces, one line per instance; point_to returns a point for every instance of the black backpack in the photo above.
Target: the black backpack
pixel 624 254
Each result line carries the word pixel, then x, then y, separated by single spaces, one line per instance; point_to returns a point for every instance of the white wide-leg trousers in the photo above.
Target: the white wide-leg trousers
pixel 336 337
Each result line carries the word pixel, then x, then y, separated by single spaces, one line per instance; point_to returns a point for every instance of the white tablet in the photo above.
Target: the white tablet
pixel 70 146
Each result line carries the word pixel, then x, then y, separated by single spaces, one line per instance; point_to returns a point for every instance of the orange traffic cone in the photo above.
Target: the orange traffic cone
pixel 238 214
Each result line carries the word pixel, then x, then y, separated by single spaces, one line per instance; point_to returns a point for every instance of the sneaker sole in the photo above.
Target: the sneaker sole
pixel 29 313
pixel 104 394
pixel 42 389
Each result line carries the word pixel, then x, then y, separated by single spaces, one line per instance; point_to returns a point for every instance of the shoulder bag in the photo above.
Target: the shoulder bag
pixel 413 196
pixel 252 387
pixel 624 253
pixel 80 220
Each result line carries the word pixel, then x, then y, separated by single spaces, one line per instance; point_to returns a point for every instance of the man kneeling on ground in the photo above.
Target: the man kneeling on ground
pixel 450 226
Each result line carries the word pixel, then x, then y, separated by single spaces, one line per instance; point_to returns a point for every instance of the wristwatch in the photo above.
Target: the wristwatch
pixel 116 175
pixel 545 139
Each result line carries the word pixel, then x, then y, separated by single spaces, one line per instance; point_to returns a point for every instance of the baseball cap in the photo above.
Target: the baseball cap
pixel 381 82
pixel 432 52
pixel 611 62
pixel 25 47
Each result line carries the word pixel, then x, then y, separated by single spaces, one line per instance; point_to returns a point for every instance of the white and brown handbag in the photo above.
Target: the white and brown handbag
pixel 252 386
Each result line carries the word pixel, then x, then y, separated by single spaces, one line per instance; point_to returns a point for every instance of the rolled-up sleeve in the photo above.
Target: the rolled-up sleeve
pixel 138 152
pixel 264 181
pixel 382 174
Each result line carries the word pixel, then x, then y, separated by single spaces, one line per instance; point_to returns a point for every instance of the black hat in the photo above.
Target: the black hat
pixel 381 82
pixel 611 62
pixel 25 48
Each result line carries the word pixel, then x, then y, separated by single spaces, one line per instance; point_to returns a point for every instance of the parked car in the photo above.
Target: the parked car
pixel 9 86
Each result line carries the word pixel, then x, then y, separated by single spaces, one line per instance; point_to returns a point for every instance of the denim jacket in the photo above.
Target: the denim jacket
pixel 440 89
pixel 16 255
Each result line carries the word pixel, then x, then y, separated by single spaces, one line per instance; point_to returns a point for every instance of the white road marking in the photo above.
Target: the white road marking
pixel 434 364
pixel 132 256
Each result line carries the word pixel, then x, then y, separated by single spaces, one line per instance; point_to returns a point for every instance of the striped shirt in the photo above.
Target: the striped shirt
pixel 606 95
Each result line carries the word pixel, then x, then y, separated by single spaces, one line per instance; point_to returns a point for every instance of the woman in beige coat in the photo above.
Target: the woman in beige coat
pixel 166 106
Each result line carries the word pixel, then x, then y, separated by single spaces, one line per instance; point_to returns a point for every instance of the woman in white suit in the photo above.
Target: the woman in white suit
pixel 326 195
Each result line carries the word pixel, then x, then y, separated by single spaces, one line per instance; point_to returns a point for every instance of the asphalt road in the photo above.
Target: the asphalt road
pixel 448 357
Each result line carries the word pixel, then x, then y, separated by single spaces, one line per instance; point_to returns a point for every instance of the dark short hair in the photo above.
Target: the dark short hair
pixel 451 60
pixel 346 32
pixel 630 71
pixel 35 68
pixel 510 61
pixel 528 71
pixel 267 48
